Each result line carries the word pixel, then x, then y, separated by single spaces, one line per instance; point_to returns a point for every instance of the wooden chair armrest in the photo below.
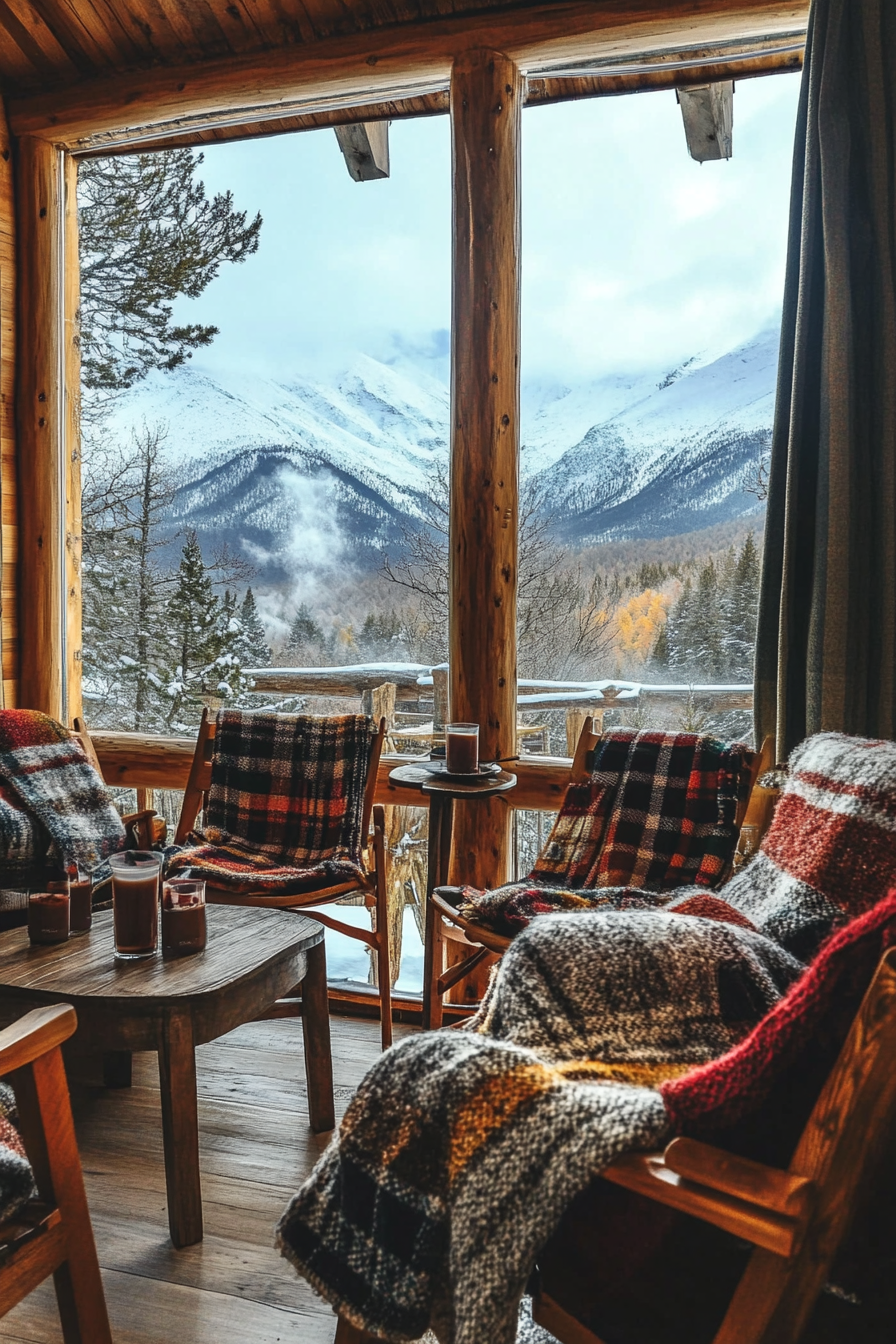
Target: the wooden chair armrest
pixel 145 814
pixel 772 1189
pixel 35 1034
pixel 148 826
pixel 749 1204
pixel 475 933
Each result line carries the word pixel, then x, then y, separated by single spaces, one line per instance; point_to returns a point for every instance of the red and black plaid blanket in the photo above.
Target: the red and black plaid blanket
pixel 284 809
pixel 51 798
pixel 657 813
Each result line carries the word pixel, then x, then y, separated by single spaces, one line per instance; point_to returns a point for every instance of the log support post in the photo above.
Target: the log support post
pixel 486 106
pixel 47 417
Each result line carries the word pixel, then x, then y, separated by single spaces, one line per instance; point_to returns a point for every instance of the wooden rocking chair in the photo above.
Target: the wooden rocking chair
pixel 442 913
pixel 373 887
pixel 796 1219
pixel 52 1234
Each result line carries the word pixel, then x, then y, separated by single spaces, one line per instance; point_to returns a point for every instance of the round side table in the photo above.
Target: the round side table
pixel 442 794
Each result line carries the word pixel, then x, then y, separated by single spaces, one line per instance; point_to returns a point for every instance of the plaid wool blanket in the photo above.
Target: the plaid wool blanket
pixel 284 809
pixel 657 813
pixel 460 1150
pixel 53 805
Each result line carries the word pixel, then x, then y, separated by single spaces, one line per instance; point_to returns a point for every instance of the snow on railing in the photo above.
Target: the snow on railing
pixel 415 681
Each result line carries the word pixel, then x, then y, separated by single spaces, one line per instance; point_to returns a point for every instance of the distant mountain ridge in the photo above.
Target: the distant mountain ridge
pixel 305 471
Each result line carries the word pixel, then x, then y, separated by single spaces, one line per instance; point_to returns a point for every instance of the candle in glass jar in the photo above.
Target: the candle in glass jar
pixel 184 928
pixel 48 913
pixel 462 748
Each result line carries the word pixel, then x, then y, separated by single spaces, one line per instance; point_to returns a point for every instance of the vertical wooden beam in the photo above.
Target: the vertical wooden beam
pixel 71 335
pixel 9 529
pixel 486 107
pixel 40 418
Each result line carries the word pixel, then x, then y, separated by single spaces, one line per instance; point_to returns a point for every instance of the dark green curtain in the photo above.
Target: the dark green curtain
pixel 826 644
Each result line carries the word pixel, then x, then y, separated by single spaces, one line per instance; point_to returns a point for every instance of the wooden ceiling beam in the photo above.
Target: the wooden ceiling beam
pixel 393 62
pixel 365 148
pixel 708 115
pixel 539 93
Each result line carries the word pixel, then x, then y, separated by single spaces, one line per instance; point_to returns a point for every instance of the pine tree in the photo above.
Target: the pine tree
pixel 148 234
pixel 196 638
pixel 744 612
pixel 307 643
pixel 253 647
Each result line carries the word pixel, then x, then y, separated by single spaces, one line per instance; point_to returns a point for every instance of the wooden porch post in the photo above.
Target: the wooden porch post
pixel 47 419
pixel 486 107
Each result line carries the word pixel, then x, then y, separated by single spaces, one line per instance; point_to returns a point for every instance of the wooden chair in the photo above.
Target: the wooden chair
pixel 444 921
pixel 143 824
pixel 52 1234
pixel 796 1220
pixel 373 888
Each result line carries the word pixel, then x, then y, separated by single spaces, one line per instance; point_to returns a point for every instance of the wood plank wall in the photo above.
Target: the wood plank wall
pixel 9 525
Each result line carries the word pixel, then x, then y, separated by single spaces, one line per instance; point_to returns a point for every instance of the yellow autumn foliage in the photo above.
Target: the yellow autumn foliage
pixel 638 623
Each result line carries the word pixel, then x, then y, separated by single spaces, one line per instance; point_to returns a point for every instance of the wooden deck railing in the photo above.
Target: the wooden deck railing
pixel 139 761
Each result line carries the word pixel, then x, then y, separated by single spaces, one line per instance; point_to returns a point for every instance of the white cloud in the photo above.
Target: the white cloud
pixel 632 253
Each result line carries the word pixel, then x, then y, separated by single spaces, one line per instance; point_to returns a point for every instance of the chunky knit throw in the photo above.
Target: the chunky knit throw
pixel 51 798
pixel 16 1179
pixel 657 813
pixel 831 849
pixel 284 808
pixel 461 1150
pixel 757 1097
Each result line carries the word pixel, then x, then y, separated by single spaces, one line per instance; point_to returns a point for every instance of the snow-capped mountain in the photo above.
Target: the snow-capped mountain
pixel 297 472
pixel 675 459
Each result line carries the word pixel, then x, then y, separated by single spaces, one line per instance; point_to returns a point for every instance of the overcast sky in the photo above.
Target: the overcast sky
pixel 633 255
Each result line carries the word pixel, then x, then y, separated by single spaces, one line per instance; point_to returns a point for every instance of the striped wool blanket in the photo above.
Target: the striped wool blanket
pixel 284 809
pixel 608 1033
pixel 54 808
pixel 830 851
pixel 461 1150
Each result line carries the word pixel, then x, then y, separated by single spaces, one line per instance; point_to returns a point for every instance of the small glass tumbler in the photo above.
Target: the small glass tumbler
pixel 48 911
pixel 184 928
pixel 135 903
pixel 462 748
pixel 80 887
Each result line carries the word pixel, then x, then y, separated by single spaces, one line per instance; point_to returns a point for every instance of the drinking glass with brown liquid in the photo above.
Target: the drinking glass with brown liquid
pixel 184 928
pixel 462 748
pixel 135 903
pixel 80 888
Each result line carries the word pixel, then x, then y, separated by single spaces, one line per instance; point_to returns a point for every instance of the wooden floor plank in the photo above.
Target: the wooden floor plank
pixel 256 1147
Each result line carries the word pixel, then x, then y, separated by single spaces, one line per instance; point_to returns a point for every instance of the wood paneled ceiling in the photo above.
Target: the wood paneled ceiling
pixel 76 70
pixel 52 43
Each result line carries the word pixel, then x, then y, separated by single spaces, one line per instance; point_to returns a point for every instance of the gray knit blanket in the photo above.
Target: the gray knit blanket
pixel 461 1150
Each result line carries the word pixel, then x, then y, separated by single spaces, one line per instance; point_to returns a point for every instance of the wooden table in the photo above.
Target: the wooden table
pixel 442 794
pixel 253 958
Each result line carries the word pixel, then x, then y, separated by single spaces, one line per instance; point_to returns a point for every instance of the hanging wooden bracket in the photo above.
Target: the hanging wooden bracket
pixel 365 148
pixel 708 112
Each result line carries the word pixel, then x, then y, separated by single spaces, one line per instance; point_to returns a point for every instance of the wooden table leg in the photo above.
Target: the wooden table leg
pixel 180 1128
pixel 316 1033
pixel 117 1068
pixel 441 819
